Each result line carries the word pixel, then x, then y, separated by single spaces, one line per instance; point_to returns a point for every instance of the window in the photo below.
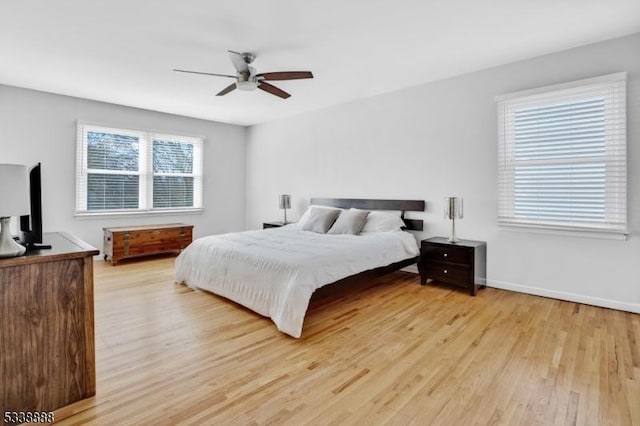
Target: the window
pixel 562 157
pixel 130 171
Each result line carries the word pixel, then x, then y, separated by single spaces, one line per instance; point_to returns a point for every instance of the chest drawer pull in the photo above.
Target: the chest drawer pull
pixel 445 255
pixel 445 271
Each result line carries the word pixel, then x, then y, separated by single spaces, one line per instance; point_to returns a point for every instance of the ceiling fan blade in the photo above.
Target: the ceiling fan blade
pixel 285 75
pixel 226 90
pixel 206 73
pixel 238 61
pixel 270 88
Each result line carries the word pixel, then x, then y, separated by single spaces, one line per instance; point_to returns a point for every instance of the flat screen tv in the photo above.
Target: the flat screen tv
pixel 31 224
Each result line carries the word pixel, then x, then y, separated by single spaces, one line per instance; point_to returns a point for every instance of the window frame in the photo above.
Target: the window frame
pixel 145 171
pixel 615 181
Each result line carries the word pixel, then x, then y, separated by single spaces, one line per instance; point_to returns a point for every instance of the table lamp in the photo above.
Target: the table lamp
pixel 285 203
pixel 453 211
pixel 14 201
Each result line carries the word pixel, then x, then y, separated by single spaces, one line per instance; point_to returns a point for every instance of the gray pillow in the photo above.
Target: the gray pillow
pixel 320 220
pixel 349 222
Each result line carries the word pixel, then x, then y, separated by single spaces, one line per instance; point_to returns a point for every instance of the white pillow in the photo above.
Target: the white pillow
pixel 380 221
pixel 305 217
pixel 320 220
pixel 349 222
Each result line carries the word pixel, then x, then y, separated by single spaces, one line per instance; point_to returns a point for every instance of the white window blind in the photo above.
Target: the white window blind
pixel 130 171
pixel 562 156
pixel 175 181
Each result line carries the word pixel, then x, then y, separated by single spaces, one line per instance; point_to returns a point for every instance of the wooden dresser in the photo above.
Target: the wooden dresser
pixel 47 349
pixel 134 241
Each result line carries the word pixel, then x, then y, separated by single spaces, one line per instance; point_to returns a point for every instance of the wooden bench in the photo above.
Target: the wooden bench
pixel 135 241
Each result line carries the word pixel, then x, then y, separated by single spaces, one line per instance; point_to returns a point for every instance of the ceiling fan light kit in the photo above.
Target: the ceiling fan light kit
pixel 247 79
pixel 246 85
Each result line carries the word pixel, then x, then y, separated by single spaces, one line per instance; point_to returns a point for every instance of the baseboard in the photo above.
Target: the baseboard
pixel 571 297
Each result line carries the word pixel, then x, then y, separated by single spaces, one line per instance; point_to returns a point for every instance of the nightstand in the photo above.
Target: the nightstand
pixel 276 224
pixel 463 263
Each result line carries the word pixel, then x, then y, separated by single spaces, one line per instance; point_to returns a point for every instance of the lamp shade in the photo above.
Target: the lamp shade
pixel 453 208
pixel 285 201
pixel 14 190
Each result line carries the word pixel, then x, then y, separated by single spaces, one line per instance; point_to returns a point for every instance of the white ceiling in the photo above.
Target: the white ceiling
pixel 123 51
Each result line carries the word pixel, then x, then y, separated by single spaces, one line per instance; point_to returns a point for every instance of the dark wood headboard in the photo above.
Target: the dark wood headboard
pixel 372 204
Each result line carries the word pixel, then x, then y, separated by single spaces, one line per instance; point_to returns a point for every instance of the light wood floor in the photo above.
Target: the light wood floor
pixel 385 352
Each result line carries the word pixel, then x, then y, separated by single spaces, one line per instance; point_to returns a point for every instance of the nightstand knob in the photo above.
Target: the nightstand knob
pixel 445 255
pixel 445 271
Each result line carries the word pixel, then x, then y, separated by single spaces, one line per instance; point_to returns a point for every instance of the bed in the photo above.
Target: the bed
pixel 274 272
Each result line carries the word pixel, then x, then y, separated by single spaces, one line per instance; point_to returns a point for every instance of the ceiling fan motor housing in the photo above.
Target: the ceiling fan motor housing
pixel 247 80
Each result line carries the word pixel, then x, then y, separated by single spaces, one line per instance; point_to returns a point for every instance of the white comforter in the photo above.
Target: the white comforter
pixel 274 272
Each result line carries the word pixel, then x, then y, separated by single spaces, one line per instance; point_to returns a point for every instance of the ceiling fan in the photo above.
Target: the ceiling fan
pixel 247 79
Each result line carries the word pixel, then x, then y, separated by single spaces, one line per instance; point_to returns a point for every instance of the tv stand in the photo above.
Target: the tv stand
pixel 36 247
pixel 32 246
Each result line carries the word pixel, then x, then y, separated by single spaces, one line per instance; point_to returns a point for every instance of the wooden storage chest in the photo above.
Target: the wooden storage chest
pixel 134 241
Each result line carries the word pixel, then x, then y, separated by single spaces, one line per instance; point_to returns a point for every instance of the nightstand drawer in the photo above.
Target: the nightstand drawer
pixel 447 273
pixel 450 253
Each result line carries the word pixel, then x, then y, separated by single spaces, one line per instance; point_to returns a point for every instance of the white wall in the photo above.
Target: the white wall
pixel 439 139
pixel 41 127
